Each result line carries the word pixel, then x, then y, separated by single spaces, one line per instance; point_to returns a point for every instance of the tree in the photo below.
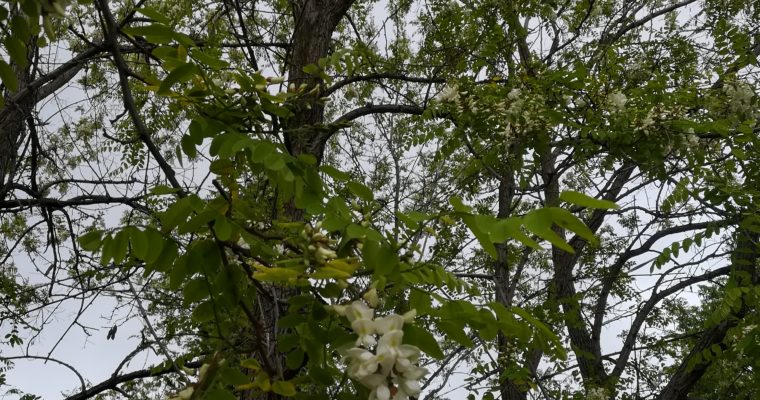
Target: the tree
pixel 498 185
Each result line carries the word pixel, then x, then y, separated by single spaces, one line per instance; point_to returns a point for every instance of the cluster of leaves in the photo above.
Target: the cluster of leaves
pixel 502 232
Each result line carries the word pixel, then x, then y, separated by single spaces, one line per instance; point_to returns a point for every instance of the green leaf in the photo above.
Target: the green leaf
pixel 20 28
pixel 223 228
pixel 106 250
pixel 208 60
pixel 222 166
pixel 204 312
pixel 220 394
pixel 294 359
pixel 156 244
pixel 178 272
pixel 164 189
pixel 195 290
pixel 8 76
pixel 275 274
pixel 250 363
pixel 274 161
pixel 379 257
pixel 17 51
pixel 483 237
pixel 188 146
pixel 570 222
pixel 584 200
pixel 456 332
pixel 540 222
pixel 284 388
pixel 232 376
pixel 140 243
pixel 420 301
pixel 458 205
pixel 90 241
pixel 423 339
pixel 176 214
pixel 335 173
pixel 168 255
pixel 156 33
pixel 312 69
pixel 31 8
pixel 154 14
pixel 121 246
pixel 360 190
pixel 182 73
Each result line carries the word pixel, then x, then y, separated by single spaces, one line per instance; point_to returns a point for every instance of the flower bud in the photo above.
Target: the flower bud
pixel 371 297
pixel 409 316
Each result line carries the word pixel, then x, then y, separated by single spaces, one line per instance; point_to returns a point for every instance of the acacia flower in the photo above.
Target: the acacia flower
pixel 450 94
pixel 386 365
pixel 617 101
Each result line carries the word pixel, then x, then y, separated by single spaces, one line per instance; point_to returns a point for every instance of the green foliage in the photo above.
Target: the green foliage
pixel 513 214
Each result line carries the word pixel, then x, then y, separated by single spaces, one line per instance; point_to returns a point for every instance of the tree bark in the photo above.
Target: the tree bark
pixel 12 120
pixel 315 22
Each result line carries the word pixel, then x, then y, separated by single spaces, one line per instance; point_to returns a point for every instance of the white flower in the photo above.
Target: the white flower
pixel 389 323
pixel 647 122
pixel 415 373
pixel 692 140
pixel 514 94
pixel 740 96
pixel 382 393
pixel 449 94
pixel 409 316
pixel 617 101
pixel 408 387
pixel 359 310
pixel 363 364
pixel 389 368
pixel 371 297
pixel 365 328
pixel 323 254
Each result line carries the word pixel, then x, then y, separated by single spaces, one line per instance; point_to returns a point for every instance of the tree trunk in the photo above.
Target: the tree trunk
pixel 315 22
pixel 12 119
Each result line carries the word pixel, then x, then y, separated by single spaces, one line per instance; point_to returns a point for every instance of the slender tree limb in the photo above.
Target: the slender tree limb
pixel 129 101
pixel 646 309
pixel 378 76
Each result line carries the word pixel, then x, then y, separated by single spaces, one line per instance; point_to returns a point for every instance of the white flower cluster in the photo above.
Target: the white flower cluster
pixel 449 94
pixel 740 95
pixel 385 365
pixel 519 112
pixel 691 140
pixel 318 243
pixel 616 101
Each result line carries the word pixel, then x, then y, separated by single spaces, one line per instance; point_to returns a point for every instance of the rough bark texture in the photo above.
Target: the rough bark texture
pixel 12 130
pixel 315 22
pixel 510 390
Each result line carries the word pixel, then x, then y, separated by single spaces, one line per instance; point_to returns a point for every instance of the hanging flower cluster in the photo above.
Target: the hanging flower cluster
pixel 385 365
pixel 616 101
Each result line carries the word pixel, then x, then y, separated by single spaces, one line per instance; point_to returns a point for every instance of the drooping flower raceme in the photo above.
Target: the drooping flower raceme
pixel 616 101
pixel 386 366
